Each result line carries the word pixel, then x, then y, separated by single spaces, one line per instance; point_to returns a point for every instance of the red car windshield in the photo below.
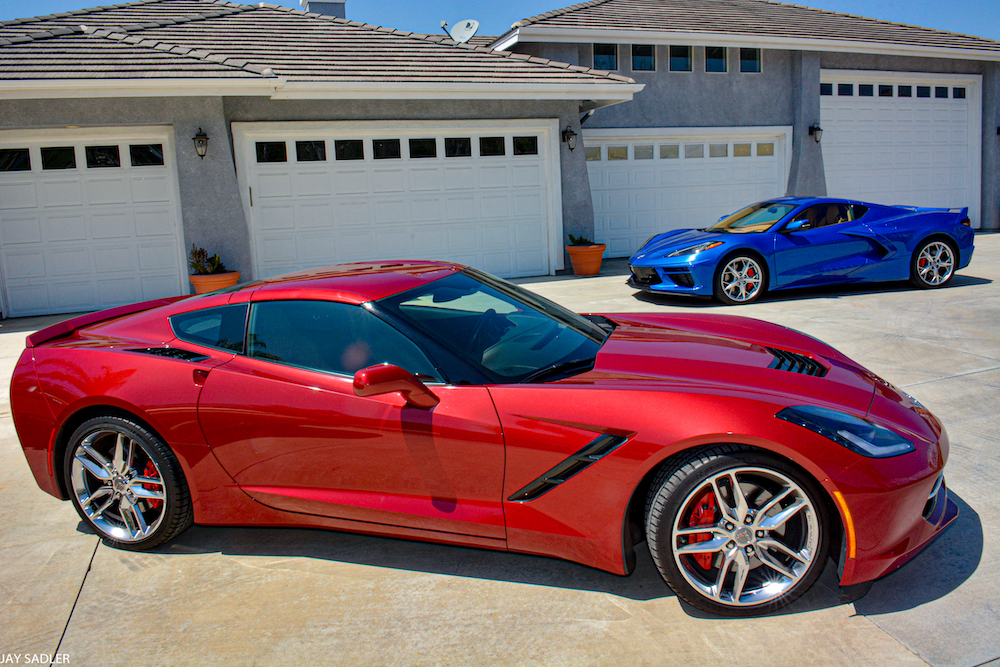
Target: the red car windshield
pixel 508 332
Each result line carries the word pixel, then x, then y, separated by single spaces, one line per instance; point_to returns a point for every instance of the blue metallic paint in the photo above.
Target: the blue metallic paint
pixel 877 247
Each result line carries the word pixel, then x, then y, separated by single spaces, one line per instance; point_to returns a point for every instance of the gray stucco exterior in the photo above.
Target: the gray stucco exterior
pixel 212 211
pixel 785 92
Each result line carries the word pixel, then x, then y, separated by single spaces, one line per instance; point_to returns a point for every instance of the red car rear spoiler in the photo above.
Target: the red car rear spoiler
pixel 67 327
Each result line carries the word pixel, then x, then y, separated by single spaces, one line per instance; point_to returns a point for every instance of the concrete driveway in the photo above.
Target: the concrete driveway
pixel 282 597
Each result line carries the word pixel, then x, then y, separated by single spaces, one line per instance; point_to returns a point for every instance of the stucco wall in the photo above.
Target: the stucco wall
pixel 577 205
pixel 210 205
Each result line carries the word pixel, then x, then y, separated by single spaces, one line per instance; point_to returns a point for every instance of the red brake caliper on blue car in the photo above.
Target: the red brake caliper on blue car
pixel 150 471
pixel 703 515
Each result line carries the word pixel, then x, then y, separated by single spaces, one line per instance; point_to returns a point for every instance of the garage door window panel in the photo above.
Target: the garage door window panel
pixel 923 91
pixel 58 157
pixel 272 151
pixel 643 152
pixel 525 145
pixel 492 146
pixel 826 89
pixel 387 149
pixel 904 91
pixel 958 93
pixel 461 147
pixel 694 151
pixel 593 153
pixel 718 150
pixel 15 159
pixel 310 151
pixel 103 157
pixel 146 155
pixel 423 148
pixel 670 152
pixel 331 337
pixel 866 90
pixel 350 149
pixel 845 89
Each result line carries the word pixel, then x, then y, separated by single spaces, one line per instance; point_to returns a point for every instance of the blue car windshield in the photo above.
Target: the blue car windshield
pixel 753 219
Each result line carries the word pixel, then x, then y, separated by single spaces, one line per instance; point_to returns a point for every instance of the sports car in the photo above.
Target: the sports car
pixel 805 242
pixel 434 402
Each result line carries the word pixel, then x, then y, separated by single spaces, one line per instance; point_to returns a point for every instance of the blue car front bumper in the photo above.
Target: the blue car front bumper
pixel 680 278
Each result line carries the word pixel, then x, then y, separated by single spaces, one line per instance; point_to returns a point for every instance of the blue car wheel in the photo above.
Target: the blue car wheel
pixel 740 279
pixel 933 264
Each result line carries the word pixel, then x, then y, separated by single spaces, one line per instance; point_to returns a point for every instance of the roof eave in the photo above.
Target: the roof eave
pixel 533 33
pixel 21 89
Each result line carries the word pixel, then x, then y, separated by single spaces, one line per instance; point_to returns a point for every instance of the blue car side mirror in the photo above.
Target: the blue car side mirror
pixel 797 226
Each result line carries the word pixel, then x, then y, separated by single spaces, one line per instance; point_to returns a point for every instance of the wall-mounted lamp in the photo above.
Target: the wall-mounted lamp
pixel 200 143
pixel 816 132
pixel 569 137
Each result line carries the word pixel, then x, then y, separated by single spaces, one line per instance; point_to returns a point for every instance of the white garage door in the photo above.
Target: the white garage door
pixel 88 219
pixel 477 193
pixel 656 180
pixel 911 139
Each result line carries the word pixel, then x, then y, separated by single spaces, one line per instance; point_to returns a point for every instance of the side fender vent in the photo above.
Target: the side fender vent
pixel 796 363
pixel 594 451
pixel 172 353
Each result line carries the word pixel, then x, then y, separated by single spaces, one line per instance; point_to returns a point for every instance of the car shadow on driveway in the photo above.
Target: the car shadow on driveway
pixel 947 563
pixel 823 292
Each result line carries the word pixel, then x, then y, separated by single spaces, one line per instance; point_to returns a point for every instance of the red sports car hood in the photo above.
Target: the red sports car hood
pixel 716 352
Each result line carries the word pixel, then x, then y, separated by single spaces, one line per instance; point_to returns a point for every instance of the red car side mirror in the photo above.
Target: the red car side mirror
pixel 386 379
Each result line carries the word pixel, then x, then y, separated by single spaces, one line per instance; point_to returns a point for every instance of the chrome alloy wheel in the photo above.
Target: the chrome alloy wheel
pixel 936 263
pixel 745 536
pixel 118 485
pixel 742 279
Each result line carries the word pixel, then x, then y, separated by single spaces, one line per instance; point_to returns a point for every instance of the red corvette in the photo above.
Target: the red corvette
pixel 435 402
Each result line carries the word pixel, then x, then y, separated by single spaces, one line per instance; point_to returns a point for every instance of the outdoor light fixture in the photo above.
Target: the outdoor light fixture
pixel 200 143
pixel 569 137
pixel 816 132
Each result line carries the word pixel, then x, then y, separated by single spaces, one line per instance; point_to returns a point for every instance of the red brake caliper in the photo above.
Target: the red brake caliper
pixel 150 471
pixel 750 272
pixel 923 262
pixel 703 515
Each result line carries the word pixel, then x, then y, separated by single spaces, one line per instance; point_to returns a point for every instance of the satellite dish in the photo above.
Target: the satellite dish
pixel 463 31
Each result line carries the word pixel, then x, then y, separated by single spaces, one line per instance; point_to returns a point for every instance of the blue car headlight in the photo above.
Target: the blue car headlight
pixel 859 435
pixel 692 250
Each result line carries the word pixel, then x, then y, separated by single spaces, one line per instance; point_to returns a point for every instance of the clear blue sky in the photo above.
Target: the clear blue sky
pixel 974 17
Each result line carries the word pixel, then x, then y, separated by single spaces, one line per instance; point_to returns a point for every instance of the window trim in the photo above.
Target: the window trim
pixel 632 57
pixel 593 56
pixel 725 59
pixel 670 59
pixel 760 59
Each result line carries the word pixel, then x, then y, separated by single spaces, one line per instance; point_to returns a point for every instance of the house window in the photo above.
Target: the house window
pixel 643 57
pixel 718 150
pixel 826 89
pixel 143 155
pixel 958 93
pixel 941 92
pixel 606 56
pixel 765 149
pixel 692 151
pixel 715 59
pixel 271 151
pixel 386 149
pixel 680 58
pixel 642 152
pixel 923 91
pixel 60 157
pixel 845 89
pixel 749 60
pixel 15 159
pixel 310 151
pixel 617 152
pixel 904 91
pixel 423 148
pixel 349 149
pixel 593 153
pixel 742 150
pixel 525 145
pixel 458 147
pixel 670 151
pixel 884 91
pixel 491 146
pixel 99 157
pixel 866 90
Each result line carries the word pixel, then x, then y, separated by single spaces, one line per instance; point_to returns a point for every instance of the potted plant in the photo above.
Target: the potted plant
pixel 210 273
pixel 585 255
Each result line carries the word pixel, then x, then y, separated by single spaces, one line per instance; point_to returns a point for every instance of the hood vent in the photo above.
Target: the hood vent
pixel 795 363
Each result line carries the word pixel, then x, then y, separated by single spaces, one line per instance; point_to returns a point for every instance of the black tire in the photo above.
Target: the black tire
pixel 730 288
pixel 102 477
pixel 937 267
pixel 763 557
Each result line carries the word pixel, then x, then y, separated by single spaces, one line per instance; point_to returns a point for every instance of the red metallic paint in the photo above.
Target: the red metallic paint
pixel 386 379
pixel 301 449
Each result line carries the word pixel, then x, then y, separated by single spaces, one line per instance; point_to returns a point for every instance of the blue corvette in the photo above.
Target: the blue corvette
pixel 794 242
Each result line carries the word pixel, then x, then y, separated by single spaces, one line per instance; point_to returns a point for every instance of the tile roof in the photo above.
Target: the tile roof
pixel 764 18
pixel 218 39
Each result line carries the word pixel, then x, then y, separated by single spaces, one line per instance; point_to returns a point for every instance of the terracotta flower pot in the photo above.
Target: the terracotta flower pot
pixel 210 282
pixel 586 259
